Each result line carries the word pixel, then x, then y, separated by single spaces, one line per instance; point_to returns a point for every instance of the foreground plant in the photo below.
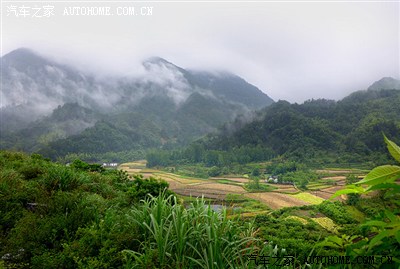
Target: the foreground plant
pixel 384 232
pixel 192 237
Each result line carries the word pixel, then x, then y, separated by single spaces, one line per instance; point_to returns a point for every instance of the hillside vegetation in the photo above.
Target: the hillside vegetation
pixel 316 132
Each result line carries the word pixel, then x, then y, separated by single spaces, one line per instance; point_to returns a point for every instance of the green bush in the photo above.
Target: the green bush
pixel 214 171
pixel 143 188
pixel 336 211
pixel 299 239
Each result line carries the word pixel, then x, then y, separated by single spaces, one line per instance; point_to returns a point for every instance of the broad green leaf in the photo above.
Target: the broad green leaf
pixel 381 174
pixel 349 189
pixel 393 149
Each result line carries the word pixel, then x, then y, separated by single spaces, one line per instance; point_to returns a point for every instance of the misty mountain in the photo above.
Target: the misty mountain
pixel 45 102
pixel 386 83
pixel 64 121
pixel 347 130
pixel 32 87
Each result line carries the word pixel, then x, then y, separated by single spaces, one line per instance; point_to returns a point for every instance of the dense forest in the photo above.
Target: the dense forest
pixel 317 131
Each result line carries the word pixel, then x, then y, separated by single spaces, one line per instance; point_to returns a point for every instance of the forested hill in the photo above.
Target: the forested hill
pixel 55 109
pixel 349 130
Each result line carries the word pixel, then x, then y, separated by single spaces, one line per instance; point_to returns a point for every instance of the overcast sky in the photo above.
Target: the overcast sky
pixel 292 51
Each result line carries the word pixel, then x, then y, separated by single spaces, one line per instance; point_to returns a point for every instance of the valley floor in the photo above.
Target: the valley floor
pixel 222 188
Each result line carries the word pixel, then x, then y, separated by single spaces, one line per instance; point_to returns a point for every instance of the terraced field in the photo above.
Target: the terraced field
pixel 219 187
pixel 309 198
pixel 133 167
pixel 328 192
pixel 324 190
pixel 276 200
pixel 209 190
pixel 285 188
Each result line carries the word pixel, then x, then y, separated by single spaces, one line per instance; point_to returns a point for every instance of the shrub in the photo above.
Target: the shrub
pixel 143 188
pixel 214 171
pixel 336 211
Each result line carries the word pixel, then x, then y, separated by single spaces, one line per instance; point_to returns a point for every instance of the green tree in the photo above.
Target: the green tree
pixel 255 172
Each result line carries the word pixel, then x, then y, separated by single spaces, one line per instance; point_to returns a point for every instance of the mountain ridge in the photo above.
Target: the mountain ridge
pixel 26 61
pixel 34 88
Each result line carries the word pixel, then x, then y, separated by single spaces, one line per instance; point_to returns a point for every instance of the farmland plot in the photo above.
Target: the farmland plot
pixel 219 187
pixel 276 200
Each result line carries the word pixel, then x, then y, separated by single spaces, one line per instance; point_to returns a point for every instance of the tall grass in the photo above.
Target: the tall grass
pixel 192 237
